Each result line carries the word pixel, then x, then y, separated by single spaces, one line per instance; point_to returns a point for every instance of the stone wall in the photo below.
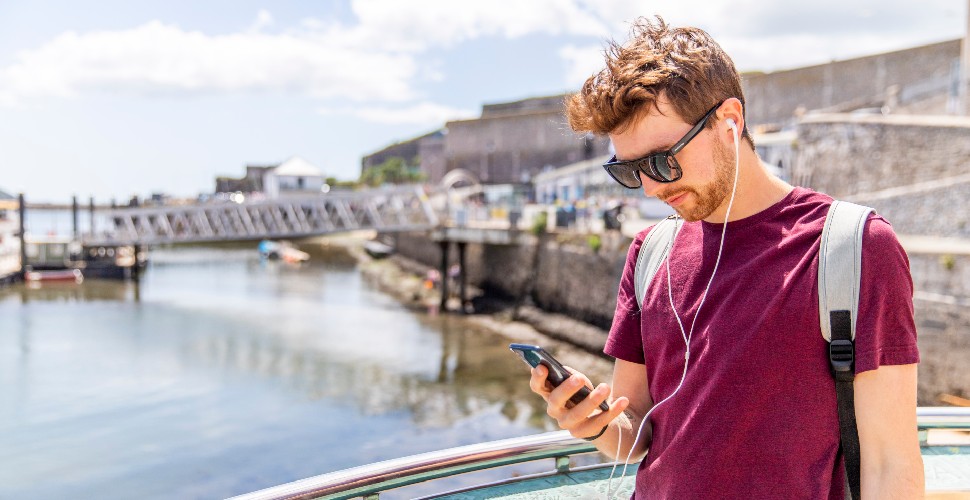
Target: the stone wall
pixel 897 78
pixel 573 281
pixel 514 148
pixel 915 170
pixel 941 273
pixel 942 302
pixel 570 279
pixel 944 343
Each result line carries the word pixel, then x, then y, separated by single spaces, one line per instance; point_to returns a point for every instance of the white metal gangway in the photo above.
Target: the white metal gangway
pixel 400 209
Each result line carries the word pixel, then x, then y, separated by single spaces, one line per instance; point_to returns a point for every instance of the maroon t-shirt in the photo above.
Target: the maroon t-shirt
pixel 756 416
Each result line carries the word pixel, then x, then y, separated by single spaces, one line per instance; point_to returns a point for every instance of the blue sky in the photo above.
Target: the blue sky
pixel 118 98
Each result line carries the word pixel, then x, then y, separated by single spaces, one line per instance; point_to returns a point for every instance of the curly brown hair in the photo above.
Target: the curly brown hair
pixel 684 64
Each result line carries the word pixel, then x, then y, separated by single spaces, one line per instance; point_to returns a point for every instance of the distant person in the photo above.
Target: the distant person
pixel 454 273
pixel 749 410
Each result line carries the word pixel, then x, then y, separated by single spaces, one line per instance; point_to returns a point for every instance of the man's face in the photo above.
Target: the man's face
pixel 707 163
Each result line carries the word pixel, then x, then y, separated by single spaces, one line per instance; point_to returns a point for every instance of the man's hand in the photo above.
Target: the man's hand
pixel 584 419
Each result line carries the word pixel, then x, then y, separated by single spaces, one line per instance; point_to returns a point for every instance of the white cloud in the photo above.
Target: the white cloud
pixel 379 57
pixel 160 58
pixel 770 36
pixel 424 113
pixel 581 63
pixel 263 20
pixel 417 24
pixel 382 55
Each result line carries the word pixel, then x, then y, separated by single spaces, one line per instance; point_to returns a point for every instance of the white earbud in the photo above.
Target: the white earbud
pixel 732 125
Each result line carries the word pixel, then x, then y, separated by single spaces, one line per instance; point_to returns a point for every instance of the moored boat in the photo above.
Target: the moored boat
pixel 61 275
pixel 378 250
pixel 282 250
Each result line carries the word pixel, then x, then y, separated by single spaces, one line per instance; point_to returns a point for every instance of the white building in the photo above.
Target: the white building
pixel 9 235
pixel 295 176
pixel 587 180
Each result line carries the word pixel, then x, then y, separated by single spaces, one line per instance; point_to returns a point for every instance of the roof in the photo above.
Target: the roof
pixel 6 196
pixel 297 167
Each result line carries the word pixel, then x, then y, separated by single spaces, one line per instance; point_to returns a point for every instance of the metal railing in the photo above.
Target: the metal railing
pixel 370 480
pixel 405 208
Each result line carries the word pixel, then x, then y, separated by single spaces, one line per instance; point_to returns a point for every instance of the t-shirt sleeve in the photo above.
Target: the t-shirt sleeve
pixel 885 329
pixel 624 340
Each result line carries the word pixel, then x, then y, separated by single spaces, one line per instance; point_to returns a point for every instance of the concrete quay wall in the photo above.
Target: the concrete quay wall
pixel 914 170
pixel 574 281
pixel 570 279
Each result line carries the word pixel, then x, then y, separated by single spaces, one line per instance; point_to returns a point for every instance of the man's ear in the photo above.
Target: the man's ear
pixel 732 112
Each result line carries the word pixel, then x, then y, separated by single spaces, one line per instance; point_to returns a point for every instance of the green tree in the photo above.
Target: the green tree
pixel 394 170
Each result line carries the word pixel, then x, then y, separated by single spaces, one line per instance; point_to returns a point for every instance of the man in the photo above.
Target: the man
pixel 749 410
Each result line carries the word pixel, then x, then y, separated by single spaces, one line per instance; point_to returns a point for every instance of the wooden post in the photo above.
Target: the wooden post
pixel 23 236
pixel 91 228
pixel 444 274
pixel 74 211
pixel 461 274
pixel 135 271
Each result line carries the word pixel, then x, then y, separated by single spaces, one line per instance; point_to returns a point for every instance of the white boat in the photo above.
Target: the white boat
pixel 377 250
pixel 282 250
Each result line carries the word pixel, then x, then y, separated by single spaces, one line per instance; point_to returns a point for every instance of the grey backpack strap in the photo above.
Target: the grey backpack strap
pixel 840 263
pixel 652 253
pixel 839 277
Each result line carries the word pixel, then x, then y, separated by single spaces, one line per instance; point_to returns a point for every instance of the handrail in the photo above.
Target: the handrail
pixel 380 476
pixel 390 474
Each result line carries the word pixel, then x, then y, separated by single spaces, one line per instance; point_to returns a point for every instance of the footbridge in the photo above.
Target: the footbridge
pixel 401 209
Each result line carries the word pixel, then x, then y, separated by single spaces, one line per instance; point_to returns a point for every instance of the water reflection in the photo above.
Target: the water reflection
pixel 473 370
pixel 222 374
pixel 90 290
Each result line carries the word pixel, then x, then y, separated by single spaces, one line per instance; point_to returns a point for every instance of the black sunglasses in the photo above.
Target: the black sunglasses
pixel 661 167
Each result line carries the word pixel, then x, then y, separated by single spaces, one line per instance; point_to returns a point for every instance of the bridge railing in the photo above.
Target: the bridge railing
pixel 399 209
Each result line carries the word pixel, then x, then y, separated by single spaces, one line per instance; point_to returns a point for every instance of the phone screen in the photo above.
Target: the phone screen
pixel 535 356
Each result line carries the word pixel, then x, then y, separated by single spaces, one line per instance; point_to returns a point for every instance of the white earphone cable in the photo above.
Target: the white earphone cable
pixel 686 335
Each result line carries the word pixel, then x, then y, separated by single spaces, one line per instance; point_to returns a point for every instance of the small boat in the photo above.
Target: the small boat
pixel 378 250
pixel 947 466
pixel 282 250
pixel 61 275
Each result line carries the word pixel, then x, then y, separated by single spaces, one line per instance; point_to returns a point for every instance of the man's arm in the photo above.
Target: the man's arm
pixel 885 406
pixel 630 403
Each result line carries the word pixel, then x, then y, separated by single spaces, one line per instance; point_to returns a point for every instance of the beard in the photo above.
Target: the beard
pixel 712 195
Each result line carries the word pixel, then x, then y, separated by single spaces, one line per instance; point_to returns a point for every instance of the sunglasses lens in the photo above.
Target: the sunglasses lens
pixel 661 168
pixel 625 175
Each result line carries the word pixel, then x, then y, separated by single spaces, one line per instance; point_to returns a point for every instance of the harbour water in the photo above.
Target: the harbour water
pixel 220 374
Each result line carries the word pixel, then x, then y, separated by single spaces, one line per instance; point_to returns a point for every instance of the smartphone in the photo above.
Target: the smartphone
pixel 535 356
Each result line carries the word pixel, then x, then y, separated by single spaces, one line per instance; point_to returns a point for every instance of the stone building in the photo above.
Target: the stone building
pixel 919 80
pixel 509 143
pixel 252 182
pixel 512 142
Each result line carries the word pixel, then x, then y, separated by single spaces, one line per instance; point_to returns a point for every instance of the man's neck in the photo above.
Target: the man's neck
pixel 757 190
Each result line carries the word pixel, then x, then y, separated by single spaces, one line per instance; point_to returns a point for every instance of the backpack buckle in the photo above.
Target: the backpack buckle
pixel 841 355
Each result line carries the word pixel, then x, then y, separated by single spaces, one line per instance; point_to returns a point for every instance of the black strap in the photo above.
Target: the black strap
pixel 594 438
pixel 842 358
